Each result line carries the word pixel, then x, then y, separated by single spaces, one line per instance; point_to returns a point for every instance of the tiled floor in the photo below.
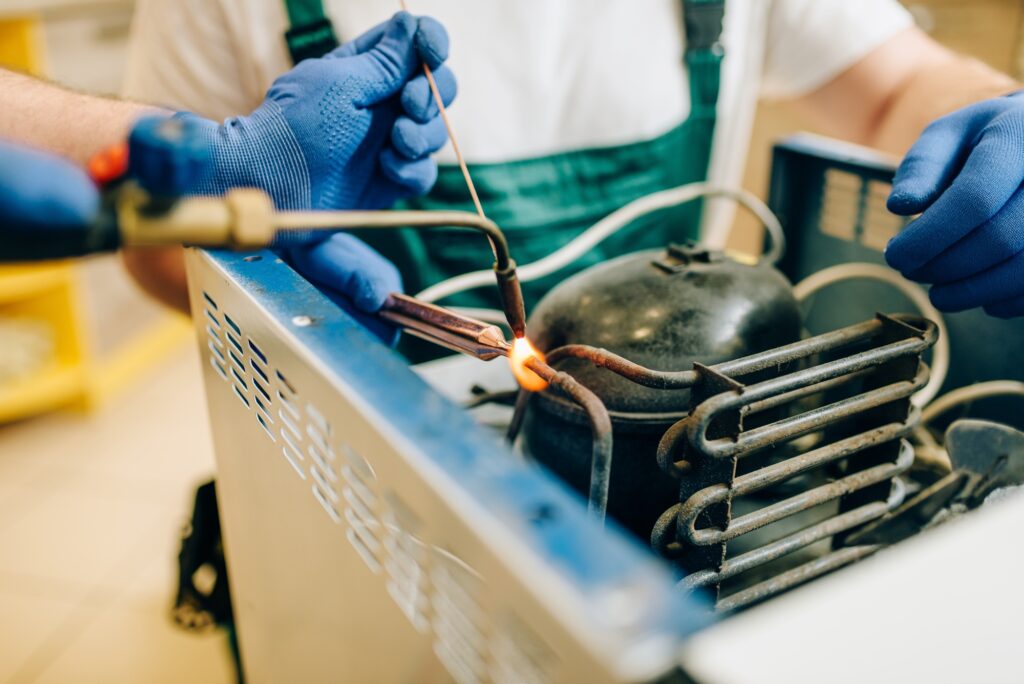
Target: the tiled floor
pixel 91 507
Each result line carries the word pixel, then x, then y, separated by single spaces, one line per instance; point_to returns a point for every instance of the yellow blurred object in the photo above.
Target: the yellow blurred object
pixel 21 44
pixel 44 293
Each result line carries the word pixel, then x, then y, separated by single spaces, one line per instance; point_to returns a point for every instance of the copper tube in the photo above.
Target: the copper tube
pixel 600 427
pixel 602 358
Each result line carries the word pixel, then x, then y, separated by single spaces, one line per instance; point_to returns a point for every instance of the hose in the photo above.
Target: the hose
pixel 611 224
pixel 915 293
pixel 963 395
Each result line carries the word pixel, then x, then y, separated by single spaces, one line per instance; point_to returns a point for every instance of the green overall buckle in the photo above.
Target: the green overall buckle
pixel 311 40
pixel 703 21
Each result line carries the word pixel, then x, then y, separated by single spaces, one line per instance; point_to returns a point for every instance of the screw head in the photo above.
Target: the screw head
pixel 302 321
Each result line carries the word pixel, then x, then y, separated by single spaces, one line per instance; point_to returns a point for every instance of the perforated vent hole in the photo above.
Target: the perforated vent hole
pixel 457 618
pixel 519 655
pixel 360 500
pixel 879 224
pixel 266 428
pixel 840 209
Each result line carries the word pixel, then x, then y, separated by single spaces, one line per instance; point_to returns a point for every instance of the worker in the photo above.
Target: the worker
pixel 349 130
pixel 570 110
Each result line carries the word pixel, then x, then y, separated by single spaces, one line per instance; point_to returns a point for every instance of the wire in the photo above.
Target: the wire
pixel 963 395
pixel 915 293
pixel 613 223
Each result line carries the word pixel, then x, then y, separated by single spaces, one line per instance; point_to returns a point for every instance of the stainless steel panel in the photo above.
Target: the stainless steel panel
pixel 375 533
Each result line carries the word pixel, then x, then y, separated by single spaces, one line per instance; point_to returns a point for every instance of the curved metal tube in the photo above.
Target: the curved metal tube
pixel 417 220
pixel 689 511
pixel 600 427
pixel 700 420
pixel 602 358
pixel 797 576
pixel 798 540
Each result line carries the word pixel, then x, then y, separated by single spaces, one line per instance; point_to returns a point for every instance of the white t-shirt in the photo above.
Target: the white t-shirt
pixel 535 76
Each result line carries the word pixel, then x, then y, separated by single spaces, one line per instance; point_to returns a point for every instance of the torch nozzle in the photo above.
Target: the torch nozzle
pixel 512 299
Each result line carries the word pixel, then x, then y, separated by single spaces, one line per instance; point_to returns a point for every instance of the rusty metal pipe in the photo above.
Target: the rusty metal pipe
pixel 518 414
pixel 926 332
pixel 798 540
pixel 796 576
pixel 804 392
pixel 767 476
pixel 691 509
pixel 600 427
pixel 755 362
pixel 602 358
pixel 698 423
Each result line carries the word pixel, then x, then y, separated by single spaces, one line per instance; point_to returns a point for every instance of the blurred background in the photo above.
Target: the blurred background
pixel 103 434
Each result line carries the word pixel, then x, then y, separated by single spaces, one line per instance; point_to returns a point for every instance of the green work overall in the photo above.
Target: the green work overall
pixel 543 203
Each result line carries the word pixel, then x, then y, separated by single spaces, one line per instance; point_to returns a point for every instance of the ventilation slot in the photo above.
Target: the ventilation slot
pixel 841 205
pixel 360 502
pixel 237 360
pixel 219 367
pixel 520 656
pixel 215 347
pixel 326 504
pixel 213 319
pixel 261 389
pixel 324 461
pixel 243 385
pixel 879 225
pixel 458 640
pixel 263 423
pixel 286 419
pixel 258 352
pixel 318 420
pixel 259 371
pixel 234 326
pixel 262 407
pixel 241 396
pixel 407 581
pixel 209 300
pixel 291 455
pixel 235 343
pixel 325 486
pixel 287 405
pixel 284 381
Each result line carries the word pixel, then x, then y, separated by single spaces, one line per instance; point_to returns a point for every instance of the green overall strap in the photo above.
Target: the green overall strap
pixel 702 20
pixel 310 33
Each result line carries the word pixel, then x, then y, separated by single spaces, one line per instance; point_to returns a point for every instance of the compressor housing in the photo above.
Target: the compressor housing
pixel 664 310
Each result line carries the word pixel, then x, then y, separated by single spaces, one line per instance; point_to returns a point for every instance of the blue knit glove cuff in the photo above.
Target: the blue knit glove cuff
pixel 276 165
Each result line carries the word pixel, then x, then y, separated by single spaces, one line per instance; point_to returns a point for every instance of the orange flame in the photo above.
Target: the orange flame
pixel 523 351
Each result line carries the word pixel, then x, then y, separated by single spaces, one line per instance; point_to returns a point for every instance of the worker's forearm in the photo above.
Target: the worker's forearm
pixel 932 92
pixel 73 125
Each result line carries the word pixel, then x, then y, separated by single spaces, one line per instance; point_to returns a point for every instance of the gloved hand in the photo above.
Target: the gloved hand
pixel 353 276
pixel 44 200
pixel 965 174
pixel 354 129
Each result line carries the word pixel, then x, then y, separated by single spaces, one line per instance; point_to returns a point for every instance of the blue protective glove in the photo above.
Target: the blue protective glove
pixel 965 175
pixel 42 192
pixel 354 129
pixel 353 276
